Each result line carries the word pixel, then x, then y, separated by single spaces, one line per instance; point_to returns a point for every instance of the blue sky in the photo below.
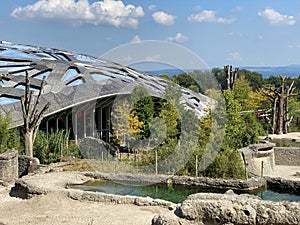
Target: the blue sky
pixel 241 33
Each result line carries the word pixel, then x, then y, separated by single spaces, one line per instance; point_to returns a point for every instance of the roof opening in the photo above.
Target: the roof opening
pixel 22 87
pixel 40 76
pixel 84 58
pixel 63 56
pixel 17 54
pixel 71 72
pixel 75 82
pixel 5 100
pixel 100 77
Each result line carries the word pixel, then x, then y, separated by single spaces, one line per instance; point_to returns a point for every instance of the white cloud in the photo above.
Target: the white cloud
pixel 237 9
pixel 106 12
pixel 235 34
pixel 163 18
pixel 208 16
pixel 136 39
pixel 294 45
pixel 275 17
pixel 152 7
pixel 153 58
pixel 234 56
pixel 179 38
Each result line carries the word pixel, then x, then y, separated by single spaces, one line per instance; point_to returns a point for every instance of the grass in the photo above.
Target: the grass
pixel 109 166
pixel 79 165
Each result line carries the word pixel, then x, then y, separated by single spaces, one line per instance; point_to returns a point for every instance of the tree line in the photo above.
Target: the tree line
pixel 153 127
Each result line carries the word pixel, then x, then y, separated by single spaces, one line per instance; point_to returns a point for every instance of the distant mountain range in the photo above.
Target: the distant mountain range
pixel 169 72
pixel 266 71
pixel 289 71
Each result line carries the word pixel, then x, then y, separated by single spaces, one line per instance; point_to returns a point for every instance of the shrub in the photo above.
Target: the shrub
pixel 50 148
pixel 9 138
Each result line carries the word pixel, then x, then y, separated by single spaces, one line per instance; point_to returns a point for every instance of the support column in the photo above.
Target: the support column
pixel 84 123
pixel 75 127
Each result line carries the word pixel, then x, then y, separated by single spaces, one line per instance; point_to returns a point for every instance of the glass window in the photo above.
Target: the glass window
pixel 76 82
pixel 14 69
pixel 22 87
pixel 72 72
pixel 8 100
pixel 40 76
pixel 84 58
pixel 99 77
pixel 17 54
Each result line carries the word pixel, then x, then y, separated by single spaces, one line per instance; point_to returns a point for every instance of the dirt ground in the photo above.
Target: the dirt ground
pixel 57 209
pixel 292 135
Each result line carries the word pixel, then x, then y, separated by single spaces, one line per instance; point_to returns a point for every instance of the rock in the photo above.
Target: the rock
pixel 238 209
pixel 24 163
pixel 164 220
pixel 8 167
pixel 277 183
pixel 143 201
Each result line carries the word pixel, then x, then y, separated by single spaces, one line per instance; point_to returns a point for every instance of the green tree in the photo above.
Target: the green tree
pixel 242 91
pixel 187 80
pixel 220 76
pixel 143 107
pixel 9 138
pixel 255 79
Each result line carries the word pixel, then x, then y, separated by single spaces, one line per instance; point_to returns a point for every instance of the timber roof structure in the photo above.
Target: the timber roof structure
pixel 73 79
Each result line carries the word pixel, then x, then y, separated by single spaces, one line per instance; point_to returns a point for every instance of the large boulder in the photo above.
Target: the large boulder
pixel 8 167
pixel 230 208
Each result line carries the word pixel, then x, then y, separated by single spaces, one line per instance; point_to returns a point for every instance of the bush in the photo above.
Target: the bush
pixel 50 148
pixel 9 138
pixel 228 164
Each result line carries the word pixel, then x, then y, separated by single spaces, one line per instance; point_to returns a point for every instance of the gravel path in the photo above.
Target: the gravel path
pixel 54 208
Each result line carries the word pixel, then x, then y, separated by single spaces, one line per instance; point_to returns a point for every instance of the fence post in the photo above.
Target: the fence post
pixel 262 168
pixel 196 165
pixel 156 172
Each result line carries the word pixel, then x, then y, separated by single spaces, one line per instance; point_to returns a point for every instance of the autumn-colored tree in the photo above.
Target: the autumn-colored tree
pixel 125 122
pixel 143 107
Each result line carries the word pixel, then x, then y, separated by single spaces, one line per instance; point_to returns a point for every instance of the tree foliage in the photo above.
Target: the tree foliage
pixel 126 123
pixel 143 109
pixel 51 147
pixel 9 138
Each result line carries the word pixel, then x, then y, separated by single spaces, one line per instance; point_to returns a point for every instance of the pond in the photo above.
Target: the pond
pixel 172 193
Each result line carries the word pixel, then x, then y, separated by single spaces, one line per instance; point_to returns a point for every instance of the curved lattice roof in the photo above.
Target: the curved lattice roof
pixel 72 79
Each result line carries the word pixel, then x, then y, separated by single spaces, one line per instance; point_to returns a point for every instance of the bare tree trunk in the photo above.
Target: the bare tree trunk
pixel 274 116
pixel 287 118
pixel 230 76
pixel 281 96
pixel 32 117
pixel 279 129
pixel 279 99
pixel 28 140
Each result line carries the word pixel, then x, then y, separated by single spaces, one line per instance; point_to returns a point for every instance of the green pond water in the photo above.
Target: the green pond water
pixel 173 193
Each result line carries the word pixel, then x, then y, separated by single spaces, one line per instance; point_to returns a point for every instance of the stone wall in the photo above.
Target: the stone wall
pixel 289 156
pixel 8 167
pixel 259 159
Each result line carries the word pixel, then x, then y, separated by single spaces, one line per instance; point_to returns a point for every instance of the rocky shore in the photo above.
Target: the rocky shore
pixel 230 208
pixel 205 182
pixel 204 208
